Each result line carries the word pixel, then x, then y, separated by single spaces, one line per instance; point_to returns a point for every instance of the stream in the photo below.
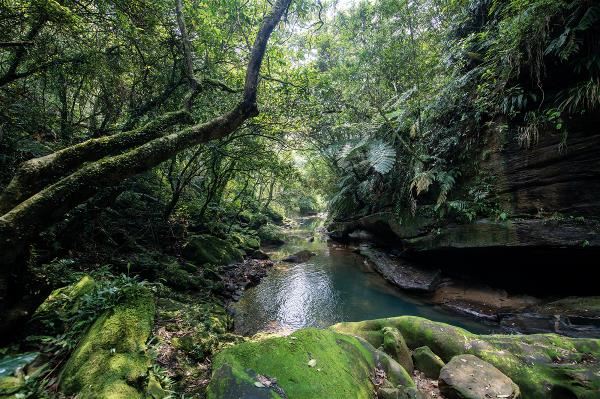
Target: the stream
pixel 333 286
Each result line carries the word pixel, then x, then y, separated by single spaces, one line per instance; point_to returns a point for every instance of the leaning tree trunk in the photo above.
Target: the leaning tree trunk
pixel 35 174
pixel 62 181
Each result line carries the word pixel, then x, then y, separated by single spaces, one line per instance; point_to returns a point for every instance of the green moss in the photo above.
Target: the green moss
pixel 427 362
pixel 542 365
pixel 111 359
pixel 271 234
pixel 343 367
pixel 394 345
pixel 244 241
pixel 10 384
pixel 204 248
pixel 50 314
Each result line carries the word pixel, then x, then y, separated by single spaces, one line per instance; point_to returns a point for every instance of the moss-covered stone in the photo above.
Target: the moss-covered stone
pixel 394 345
pixel 544 366
pixel 310 363
pixel 202 249
pixel 246 242
pixel 49 316
pixel 427 362
pixel 10 384
pixel 271 234
pixel 111 359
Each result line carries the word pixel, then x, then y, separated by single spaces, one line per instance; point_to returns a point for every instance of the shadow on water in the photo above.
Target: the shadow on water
pixel 333 286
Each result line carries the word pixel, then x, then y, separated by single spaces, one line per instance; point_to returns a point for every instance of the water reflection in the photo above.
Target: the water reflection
pixel 335 285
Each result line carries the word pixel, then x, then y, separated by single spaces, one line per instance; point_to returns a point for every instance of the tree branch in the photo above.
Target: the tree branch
pixel 22 223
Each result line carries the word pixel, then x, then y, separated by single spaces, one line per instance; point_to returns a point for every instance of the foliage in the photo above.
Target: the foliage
pixel 436 83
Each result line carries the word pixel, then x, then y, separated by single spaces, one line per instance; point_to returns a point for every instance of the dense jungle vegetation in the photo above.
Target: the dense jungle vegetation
pixel 144 144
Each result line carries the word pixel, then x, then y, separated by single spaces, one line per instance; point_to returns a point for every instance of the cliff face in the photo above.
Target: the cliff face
pixel 548 178
pixel 552 199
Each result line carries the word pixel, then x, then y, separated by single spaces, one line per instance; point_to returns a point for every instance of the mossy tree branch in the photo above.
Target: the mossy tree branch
pixel 22 223
pixel 35 174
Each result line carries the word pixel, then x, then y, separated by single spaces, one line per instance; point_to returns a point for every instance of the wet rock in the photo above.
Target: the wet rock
pixel 427 362
pixel 469 377
pixel 480 301
pixel 400 272
pixel 394 345
pixel 571 316
pixel 517 233
pixel 535 323
pixel 299 257
pixel 243 275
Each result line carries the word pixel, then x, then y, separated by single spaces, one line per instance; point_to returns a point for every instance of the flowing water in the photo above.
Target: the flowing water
pixel 335 285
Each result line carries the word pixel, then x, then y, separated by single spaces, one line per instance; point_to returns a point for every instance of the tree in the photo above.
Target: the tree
pixel 79 172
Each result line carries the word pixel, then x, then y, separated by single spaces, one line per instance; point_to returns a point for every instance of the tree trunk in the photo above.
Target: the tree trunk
pixel 20 225
pixel 37 173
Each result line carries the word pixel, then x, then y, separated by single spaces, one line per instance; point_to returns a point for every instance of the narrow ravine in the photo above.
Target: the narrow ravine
pixel 335 285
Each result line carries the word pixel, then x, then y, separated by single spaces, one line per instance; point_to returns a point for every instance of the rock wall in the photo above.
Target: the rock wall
pixel 548 177
pixel 551 194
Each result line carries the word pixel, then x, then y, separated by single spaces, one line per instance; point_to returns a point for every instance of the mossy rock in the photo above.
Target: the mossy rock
pixel 49 316
pixel 111 359
pixel 394 345
pixel 246 242
pixel 206 249
pixel 427 362
pixel 10 385
pixel 544 366
pixel 310 363
pixel 271 234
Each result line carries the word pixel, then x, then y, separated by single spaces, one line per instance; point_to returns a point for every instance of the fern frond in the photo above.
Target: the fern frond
pixel 382 157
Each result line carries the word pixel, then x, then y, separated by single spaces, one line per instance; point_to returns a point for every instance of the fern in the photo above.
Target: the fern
pixel 446 180
pixel 382 157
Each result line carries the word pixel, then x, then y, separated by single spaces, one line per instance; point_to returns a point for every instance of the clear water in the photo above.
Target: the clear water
pixel 333 286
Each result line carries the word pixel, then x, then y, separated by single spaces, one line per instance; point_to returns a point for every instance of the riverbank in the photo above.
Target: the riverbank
pixel 510 311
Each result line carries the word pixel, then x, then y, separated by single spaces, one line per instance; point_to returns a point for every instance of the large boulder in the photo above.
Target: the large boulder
pixel 469 377
pixel 206 249
pixel 427 362
pixel 271 234
pixel 111 360
pixel 299 257
pixel 49 317
pixel 544 366
pixel 310 363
